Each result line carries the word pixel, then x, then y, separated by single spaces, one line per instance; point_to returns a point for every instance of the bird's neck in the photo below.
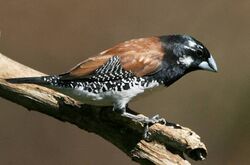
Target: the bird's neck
pixel 169 75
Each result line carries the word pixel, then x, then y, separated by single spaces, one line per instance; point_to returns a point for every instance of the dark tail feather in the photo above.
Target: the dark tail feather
pixel 44 80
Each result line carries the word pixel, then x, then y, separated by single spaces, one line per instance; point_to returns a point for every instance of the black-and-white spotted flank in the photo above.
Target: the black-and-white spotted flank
pixel 109 77
pixel 108 85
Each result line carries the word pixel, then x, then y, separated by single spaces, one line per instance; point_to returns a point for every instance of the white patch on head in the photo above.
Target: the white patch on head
pixel 191 43
pixel 200 47
pixel 187 47
pixel 186 60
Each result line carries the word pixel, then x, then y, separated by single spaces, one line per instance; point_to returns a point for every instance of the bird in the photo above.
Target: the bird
pixel 117 75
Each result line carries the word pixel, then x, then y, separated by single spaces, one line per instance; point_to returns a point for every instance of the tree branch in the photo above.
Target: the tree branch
pixel 168 143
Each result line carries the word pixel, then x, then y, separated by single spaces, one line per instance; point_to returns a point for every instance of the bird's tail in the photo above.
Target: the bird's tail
pixel 43 80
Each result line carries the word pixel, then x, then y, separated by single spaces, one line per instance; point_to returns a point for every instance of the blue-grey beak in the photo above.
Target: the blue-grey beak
pixel 209 65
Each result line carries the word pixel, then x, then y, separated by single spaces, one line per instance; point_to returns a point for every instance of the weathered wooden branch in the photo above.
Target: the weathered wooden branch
pixel 168 143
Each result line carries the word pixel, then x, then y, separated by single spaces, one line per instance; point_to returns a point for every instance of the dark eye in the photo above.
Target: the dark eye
pixel 199 52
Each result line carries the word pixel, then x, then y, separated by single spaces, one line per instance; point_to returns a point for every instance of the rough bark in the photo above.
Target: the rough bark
pixel 167 145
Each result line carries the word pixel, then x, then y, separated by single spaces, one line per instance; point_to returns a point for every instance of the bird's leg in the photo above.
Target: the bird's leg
pixel 136 118
pixel 141 119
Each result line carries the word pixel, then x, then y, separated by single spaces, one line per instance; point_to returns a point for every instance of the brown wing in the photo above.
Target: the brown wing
pixel 140 56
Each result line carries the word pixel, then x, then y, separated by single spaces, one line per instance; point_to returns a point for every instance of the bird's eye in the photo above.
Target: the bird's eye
pixel 199 52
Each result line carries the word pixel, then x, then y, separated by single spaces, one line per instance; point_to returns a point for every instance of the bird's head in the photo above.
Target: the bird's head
pixel 189 53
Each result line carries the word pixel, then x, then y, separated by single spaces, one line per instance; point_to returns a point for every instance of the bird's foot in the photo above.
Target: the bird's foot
pixel 147 122
pixel 157 119
pixel 150 121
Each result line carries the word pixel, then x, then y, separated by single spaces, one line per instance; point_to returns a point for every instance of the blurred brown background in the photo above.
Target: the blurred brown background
pixel 53 35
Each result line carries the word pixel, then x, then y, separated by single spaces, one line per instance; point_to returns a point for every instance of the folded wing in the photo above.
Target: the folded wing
pixel 140 56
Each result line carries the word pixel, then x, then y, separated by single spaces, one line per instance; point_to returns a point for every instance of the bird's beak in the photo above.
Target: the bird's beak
pixel 209 65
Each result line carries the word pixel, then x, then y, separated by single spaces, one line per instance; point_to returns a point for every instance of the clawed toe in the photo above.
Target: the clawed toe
pixel 150 121
pixel 147 122
pixel 156 119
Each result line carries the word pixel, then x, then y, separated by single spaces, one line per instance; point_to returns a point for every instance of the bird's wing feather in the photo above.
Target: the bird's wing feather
pixel 140 56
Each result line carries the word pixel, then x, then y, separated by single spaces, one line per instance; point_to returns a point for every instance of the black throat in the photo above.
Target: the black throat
pixel 168 74
pixel 170 70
